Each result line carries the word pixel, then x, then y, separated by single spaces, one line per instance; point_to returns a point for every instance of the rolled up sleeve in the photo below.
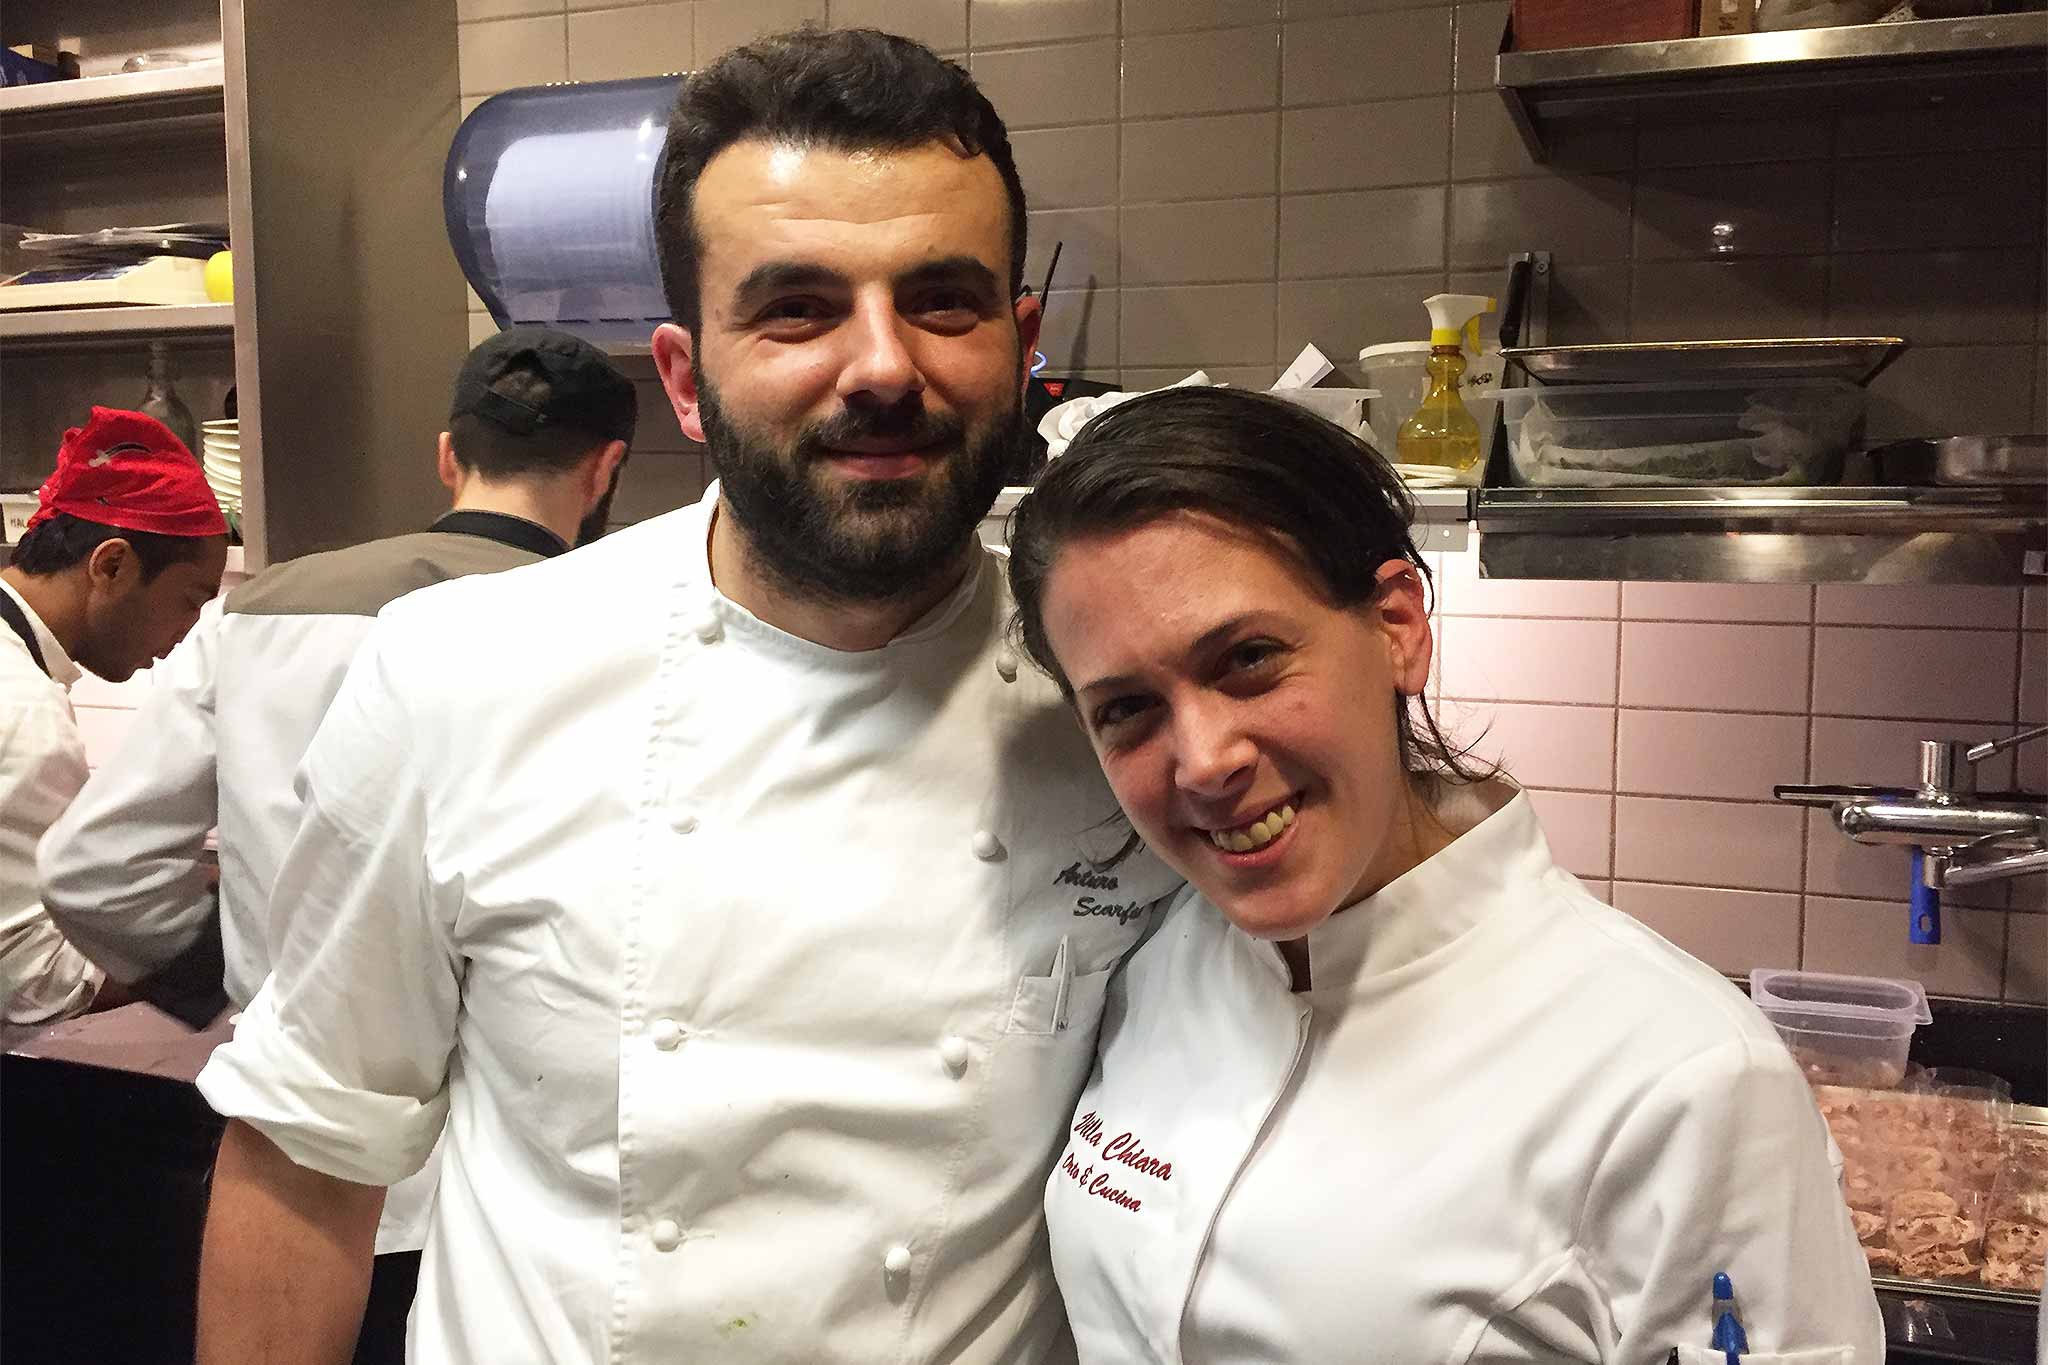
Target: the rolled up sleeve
pixel 342 1057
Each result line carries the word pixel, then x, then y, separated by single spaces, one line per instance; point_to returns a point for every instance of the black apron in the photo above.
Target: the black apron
pixel 17 621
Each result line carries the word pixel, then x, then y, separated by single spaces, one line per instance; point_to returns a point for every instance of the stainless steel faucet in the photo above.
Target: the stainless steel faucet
pixel 1962 839
pixel 1965 841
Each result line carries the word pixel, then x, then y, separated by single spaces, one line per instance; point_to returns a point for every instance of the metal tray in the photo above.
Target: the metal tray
pixel 1957 1292
pixel 1966 461
pixel 1855 359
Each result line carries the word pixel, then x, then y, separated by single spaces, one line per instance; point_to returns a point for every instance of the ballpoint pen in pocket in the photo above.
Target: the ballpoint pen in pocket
pixel 1728 1337
pixel 1728 1333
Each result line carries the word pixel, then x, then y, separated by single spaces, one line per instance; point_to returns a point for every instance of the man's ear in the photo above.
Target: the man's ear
pixel 1402 613
pixel 604 469
pixel 111 564
pixel 675 359
pixel 1030 313
pixel 446 467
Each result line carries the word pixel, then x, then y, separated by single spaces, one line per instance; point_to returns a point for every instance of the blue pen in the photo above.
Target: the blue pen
pixel 1728 1334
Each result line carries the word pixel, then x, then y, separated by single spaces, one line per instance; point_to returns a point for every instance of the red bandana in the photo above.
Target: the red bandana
pixel 127 470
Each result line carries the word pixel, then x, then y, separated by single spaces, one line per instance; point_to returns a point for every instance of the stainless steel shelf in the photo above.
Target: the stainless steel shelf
pixel 1765 535
pixel 55 328
pixel 1990 57
pixel 1602 511
pixel 103 105
pixel 167 83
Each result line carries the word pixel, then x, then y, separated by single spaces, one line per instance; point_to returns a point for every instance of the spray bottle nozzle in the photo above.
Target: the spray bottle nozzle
pixel 1455 317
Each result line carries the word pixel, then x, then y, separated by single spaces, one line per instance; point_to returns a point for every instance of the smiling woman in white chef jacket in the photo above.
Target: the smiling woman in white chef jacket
pixel 1386 1084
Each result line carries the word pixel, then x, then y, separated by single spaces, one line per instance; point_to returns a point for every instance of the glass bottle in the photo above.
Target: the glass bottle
pixel 162 401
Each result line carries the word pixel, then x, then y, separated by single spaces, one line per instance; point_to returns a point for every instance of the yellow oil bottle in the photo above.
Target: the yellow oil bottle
pixel 1441 432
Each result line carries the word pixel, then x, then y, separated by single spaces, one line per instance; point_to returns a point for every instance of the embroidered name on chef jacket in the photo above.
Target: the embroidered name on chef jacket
pixel 1089 907
pixel 1125 1150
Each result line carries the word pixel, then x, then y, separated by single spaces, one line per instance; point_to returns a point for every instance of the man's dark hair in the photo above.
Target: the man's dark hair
pixel 847 90
pixel 65 541
pixel 492 451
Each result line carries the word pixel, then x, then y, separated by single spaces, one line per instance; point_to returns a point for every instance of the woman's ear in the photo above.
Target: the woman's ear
pixel 1401 611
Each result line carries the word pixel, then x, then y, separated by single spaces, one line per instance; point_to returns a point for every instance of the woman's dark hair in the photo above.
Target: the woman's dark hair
pixel 1314 490
pixel 64 541
pixel 850 90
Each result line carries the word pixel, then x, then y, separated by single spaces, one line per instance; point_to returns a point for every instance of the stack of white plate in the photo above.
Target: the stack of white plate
pixel 222 460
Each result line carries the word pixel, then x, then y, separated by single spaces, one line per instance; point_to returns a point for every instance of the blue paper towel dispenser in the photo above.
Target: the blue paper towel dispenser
pixel 549 199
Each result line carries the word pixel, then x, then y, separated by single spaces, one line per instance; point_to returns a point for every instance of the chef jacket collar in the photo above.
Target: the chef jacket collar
pixel 56 662
pixel 504 528
pixel 1498 854
pixel 978 582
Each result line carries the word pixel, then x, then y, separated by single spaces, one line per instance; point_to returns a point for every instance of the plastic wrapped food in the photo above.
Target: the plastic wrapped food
pixel 1648 435
pixel 1940 1186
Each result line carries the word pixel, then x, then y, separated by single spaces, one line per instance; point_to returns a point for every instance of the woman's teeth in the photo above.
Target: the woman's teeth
pixel 1257 834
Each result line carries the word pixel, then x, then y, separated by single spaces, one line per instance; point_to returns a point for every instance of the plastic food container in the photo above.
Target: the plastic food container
pixel 1399 375
pixel 1793 432
pixel 1843 1030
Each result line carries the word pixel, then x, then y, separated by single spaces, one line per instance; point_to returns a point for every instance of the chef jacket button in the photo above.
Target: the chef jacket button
pixel 1006 666
pixel 987 847
pixel 709 630
pixel 685 823
pixel 667 1236
pixel 667 1034
pixel 897 1262
pixel 953 1052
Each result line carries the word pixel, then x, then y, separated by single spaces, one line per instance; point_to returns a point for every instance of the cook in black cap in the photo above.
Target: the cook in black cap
pixel 548 389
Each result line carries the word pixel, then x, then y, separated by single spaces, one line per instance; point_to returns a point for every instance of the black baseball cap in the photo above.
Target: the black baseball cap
pixel 587 390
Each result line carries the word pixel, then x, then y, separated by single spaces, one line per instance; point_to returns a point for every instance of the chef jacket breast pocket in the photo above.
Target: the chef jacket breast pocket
pixel 1061 1000
pixel 1823 1355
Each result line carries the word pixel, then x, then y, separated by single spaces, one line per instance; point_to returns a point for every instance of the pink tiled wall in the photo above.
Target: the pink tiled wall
pixel 1651 721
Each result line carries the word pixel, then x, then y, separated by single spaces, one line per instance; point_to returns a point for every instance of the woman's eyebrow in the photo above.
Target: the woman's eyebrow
pixel 1202 644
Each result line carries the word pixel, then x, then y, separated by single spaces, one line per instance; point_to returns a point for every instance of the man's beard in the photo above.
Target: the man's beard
pixel 863 540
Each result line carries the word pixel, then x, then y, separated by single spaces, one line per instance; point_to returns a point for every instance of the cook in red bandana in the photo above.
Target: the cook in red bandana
pixel 126 546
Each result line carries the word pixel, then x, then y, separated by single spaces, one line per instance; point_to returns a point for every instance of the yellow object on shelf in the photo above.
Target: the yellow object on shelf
pixel 1442 433
pixel 220 277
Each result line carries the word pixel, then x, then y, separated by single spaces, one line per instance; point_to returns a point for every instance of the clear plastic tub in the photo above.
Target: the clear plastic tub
pixel 1399 375
pixel 1793 432
pixel 1843 1030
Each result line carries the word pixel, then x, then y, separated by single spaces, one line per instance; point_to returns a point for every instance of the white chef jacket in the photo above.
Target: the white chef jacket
pixel 228 715
pixel 42 766
pixel 754 979
pixel 1505 1123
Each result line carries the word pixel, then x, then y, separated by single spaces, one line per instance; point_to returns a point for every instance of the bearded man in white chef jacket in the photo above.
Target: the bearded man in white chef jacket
pixel 723 889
